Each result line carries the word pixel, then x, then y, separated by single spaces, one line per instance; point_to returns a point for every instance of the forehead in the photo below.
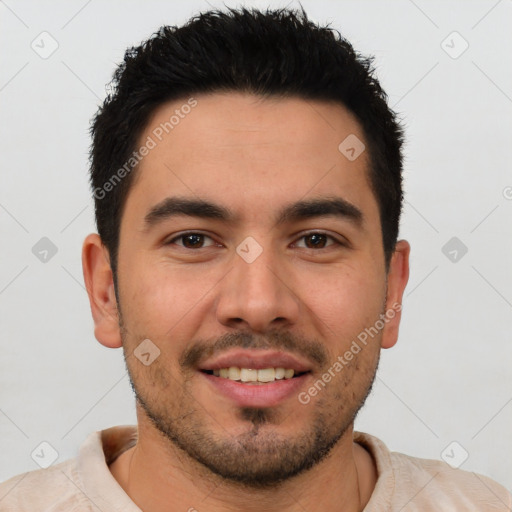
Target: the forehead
pixel 248 151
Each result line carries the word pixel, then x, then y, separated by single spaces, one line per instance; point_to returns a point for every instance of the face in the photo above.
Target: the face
pixel 249 241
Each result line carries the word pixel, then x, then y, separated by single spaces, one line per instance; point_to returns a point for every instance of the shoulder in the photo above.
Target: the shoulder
pixel 414 484
pixel 56 488
pixel 83 483
pixel 434 481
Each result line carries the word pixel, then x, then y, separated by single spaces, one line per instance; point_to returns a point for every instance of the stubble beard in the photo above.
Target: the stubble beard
pixel 259 457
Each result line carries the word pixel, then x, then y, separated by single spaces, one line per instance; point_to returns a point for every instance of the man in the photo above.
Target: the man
pixel 246 171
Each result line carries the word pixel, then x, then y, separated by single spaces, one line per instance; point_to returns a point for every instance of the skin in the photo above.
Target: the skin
pixel 253 156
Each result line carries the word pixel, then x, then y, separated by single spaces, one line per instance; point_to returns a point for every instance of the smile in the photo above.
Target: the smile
pixel 253 376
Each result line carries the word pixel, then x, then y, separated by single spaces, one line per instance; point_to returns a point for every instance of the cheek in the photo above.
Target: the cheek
pixel 155 298
pixel 345 300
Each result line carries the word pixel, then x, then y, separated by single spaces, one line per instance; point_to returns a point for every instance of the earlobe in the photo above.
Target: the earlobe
pixel 100 288
pixel 398 275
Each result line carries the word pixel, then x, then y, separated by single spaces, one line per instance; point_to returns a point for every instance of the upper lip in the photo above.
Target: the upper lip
pixel 256 360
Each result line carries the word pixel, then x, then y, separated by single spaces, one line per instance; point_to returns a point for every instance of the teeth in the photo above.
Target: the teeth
pixel 280 373
pixel 267 375
pixel 251 375
pixel 247 375
pixel 234 373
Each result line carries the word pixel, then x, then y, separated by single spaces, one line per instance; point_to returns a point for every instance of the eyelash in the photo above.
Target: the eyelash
pixel 305 235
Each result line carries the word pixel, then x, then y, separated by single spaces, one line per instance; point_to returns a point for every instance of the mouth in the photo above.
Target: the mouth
pixel 253 376
pixel 256 378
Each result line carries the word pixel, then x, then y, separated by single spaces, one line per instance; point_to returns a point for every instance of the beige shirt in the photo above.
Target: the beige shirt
pixel 406 484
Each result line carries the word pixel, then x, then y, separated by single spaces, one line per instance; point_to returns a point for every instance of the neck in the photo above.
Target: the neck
pixel 154 473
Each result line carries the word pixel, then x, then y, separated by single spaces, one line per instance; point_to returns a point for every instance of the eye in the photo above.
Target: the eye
pixel 318 240
pixel 191 240
pixel 194 240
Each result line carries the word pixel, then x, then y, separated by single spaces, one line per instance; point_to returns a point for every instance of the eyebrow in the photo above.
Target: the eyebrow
pixel 300 210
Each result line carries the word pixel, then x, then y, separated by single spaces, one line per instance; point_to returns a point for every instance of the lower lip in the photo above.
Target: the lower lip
pixel 257 395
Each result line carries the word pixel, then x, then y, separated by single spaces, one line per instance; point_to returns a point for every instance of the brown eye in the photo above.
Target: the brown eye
pixel 191 241
pixel 317 241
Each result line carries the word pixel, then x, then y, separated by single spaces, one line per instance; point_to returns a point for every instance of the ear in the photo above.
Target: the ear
pixel 100 288
pixel 398 275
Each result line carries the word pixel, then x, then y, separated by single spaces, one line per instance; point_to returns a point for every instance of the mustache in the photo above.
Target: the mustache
pixel 277 340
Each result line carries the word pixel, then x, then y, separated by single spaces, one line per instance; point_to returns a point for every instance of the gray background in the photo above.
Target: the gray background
pixel 448 378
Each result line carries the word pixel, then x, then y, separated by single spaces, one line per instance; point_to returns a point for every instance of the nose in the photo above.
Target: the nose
pixel 258 296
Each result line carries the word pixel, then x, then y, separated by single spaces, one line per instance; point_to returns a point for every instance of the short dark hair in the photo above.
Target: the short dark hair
pixel 269 53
